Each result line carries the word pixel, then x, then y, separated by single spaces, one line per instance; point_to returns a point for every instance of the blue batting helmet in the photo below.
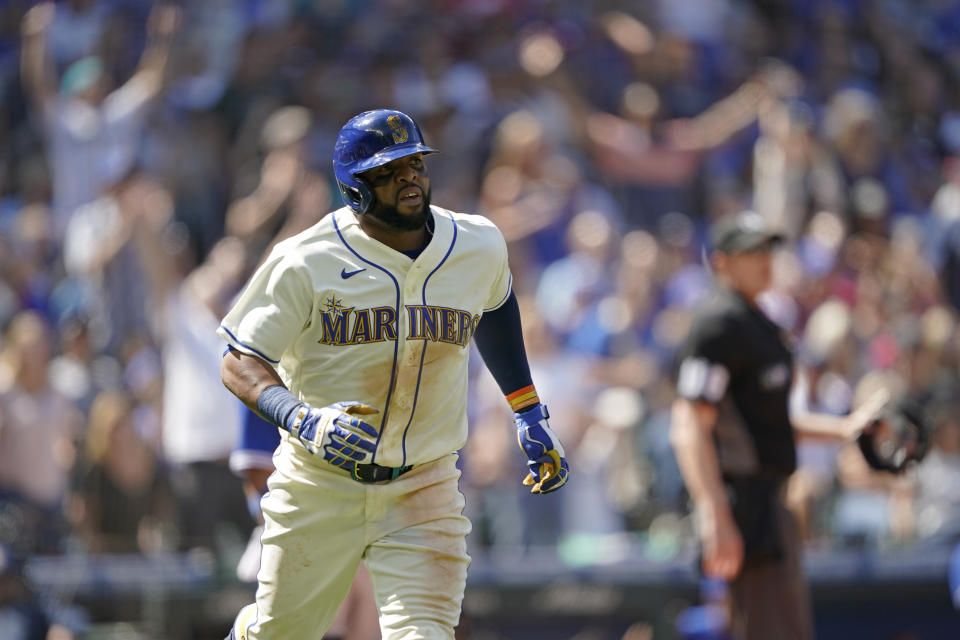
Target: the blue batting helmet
pixel 369 140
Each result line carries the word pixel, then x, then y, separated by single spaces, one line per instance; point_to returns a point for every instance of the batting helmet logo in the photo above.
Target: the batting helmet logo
pixel 400 134
pixel 369 140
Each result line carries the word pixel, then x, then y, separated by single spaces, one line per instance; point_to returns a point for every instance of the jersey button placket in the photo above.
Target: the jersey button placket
pixel 410 349
pixel 410 346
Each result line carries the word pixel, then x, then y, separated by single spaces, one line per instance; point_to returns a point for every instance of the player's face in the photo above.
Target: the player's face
pixel 402 190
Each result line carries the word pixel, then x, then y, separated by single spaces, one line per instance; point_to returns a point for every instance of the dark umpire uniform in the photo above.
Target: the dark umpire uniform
pixel 735 360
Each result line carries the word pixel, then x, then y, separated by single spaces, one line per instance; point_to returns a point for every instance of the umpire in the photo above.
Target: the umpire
pixel 734 438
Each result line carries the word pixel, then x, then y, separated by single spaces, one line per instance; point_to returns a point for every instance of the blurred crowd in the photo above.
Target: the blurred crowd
pixel 150 154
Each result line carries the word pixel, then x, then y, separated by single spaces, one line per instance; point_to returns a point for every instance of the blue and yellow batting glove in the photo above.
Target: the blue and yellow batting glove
pixel 548 468
pixel 336 433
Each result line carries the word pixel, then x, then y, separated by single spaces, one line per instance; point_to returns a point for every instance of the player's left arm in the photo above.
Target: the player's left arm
pixel 499 338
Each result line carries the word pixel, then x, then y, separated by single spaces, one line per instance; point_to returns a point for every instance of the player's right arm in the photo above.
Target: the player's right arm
pixel 691 434
pixel 266 319
pixel 334 432
pixel 247 376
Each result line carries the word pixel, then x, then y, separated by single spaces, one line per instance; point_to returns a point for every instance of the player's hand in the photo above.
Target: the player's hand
pixel 722 543
pixel 548 468
pixel 336 433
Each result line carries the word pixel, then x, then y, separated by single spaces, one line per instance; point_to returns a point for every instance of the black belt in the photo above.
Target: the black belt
pixel 377 473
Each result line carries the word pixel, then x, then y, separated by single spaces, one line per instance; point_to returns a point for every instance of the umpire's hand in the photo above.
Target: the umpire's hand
pixel 721 542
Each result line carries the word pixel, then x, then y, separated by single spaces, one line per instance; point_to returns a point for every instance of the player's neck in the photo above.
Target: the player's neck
pixel 396 239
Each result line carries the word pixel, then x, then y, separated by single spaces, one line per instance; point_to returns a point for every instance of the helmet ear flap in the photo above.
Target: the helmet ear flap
pixel 367 197
pixel 360 198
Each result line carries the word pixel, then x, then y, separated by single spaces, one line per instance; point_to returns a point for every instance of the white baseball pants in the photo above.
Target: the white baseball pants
pixel 410 533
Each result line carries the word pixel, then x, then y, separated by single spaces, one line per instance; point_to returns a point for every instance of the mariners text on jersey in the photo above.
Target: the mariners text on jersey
pixel 396 331
pixel 342 325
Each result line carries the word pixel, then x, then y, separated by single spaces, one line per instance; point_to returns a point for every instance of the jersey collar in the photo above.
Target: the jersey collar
pixel 439 245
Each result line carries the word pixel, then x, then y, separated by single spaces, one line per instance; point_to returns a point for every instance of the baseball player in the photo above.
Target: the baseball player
pixel 352 338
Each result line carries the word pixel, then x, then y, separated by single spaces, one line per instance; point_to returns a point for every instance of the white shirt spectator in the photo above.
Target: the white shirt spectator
pixel 201 419
pixel 35 444
pixel 92 146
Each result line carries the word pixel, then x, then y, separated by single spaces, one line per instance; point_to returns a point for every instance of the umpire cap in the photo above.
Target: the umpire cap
pixel 745 231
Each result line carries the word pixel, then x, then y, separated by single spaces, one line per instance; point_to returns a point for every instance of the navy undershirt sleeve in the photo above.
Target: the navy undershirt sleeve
pixel 499 338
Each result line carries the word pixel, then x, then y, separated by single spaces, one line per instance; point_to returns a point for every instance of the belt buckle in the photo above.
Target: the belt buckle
pixel 370 473
pixel 377 473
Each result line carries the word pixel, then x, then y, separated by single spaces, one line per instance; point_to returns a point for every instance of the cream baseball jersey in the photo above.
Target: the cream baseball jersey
pixel 343 317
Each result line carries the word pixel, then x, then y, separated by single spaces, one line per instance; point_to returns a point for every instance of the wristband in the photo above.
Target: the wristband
pixel 278 405
pixel 523 398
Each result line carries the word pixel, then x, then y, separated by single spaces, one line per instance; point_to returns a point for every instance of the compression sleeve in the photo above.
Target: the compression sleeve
pixel 499 338
pixel 278 405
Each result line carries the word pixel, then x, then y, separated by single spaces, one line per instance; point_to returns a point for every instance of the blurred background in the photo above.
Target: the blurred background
pixel 150 155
